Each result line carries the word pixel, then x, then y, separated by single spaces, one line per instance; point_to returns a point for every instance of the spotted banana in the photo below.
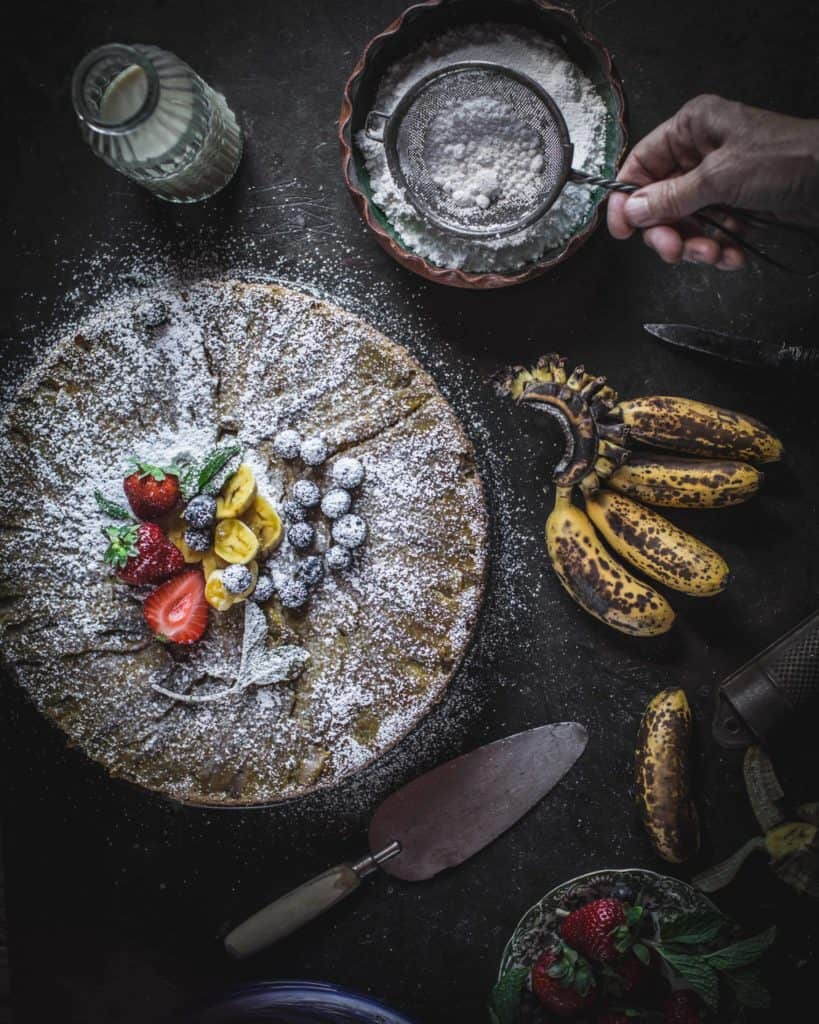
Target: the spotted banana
pixel 672 481
pixel 657 547
pixel 683 425
pixel 662 777
pixel 596 580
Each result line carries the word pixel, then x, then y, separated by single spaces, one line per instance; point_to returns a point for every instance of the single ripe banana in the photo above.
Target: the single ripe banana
pixel 176 535
pixel 237 494
pixel 672 481
pixel 596 580
pixel 662 778
pixel 265 522
pixel 657 547
pixel 235 542
pixel 684 425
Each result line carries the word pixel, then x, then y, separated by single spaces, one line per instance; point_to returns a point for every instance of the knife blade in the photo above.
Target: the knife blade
pixel 733 348
pixel 436 821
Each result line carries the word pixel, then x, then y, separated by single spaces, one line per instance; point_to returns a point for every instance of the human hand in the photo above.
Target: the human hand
pixel 716 151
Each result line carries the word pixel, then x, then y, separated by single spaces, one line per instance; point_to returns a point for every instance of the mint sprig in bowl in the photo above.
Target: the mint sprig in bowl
pixel 681 937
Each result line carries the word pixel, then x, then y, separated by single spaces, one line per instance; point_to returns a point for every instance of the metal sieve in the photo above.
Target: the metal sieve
pixel 406 131
pixel 405 134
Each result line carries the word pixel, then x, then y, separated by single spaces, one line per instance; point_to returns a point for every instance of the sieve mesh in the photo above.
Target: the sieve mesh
pixel 412 159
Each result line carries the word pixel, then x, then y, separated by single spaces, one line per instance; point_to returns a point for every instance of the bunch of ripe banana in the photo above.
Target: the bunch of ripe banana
pixel 714 471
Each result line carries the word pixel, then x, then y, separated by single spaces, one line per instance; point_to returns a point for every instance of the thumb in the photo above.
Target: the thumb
pixel 667 201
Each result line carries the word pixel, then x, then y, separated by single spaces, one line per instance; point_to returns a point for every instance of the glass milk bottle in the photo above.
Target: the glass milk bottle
pixel 153 119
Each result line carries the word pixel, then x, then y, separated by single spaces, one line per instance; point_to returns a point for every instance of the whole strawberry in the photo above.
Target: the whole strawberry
pixel 563 982
pixel 152 491
pixel 682 1007
pixel 625 975
pixel 140 553
pixel 599 930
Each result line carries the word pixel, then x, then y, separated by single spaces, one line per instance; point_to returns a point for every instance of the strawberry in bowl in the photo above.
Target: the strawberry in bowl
pixel 624 947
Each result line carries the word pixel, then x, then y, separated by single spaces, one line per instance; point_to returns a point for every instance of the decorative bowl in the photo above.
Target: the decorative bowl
pixel 422 22
pixel 292 1002
pixel 536 928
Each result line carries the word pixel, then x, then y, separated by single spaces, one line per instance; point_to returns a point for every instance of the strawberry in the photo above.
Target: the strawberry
pixel 682 1007
pixel 563 982
pixel 600 930
pixel 141 553
pixel 152 491
pixel 624 975
pixel 177 611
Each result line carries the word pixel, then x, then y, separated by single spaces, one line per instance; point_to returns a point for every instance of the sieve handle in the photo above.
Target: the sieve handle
pixel 745 217
pixel 596 181
pixel 369 125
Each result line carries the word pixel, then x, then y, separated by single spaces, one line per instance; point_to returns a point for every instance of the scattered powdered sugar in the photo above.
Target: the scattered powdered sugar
pixel 482 149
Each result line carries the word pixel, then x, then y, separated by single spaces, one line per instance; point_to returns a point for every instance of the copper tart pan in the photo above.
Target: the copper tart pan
pixel 415 26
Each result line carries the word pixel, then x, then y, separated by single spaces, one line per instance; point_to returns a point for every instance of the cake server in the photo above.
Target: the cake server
pixel 434 822
pixel 735 349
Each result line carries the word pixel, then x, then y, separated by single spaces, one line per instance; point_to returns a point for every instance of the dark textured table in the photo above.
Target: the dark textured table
pixel 116 898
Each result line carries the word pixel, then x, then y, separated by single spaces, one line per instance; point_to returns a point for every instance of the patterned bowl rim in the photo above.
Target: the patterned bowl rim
pixel 675 883
pixel 411 261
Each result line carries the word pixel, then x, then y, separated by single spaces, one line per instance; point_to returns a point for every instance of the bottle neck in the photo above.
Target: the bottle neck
pixel 115 89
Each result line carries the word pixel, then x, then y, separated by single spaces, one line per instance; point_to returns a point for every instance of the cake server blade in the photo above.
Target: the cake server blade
pixel 435 822
pixel 451 812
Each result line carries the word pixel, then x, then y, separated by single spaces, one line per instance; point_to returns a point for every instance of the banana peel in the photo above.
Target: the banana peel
pixel 791 843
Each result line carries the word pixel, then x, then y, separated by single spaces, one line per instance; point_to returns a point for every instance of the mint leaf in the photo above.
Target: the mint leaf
pixel 188 481
pixel 214 463
pixel 504 1005
pixel 748 989
pixel 748 951
pixel 111 508
pixel 697 972
pixel 633 916
pixel 641 953
pixel 694 929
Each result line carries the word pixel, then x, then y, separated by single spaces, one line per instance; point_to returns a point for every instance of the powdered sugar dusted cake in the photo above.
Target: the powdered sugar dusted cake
pixel 383 637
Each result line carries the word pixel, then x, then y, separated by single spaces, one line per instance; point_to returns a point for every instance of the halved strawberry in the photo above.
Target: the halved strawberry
pixel 177 611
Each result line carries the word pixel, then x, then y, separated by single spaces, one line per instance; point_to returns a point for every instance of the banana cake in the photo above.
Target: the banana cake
pixel 387 535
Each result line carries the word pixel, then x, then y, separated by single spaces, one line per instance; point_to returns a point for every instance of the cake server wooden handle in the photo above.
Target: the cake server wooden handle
pixel 287 914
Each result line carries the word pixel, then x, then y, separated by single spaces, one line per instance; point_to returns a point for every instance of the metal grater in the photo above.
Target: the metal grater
pixel 777 684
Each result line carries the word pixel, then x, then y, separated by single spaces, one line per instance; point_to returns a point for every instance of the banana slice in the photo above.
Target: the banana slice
pixel 264 521
pixel 211 562
pixel 216 595
pixel 235 542
pixel 237 494
pixel 176 535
